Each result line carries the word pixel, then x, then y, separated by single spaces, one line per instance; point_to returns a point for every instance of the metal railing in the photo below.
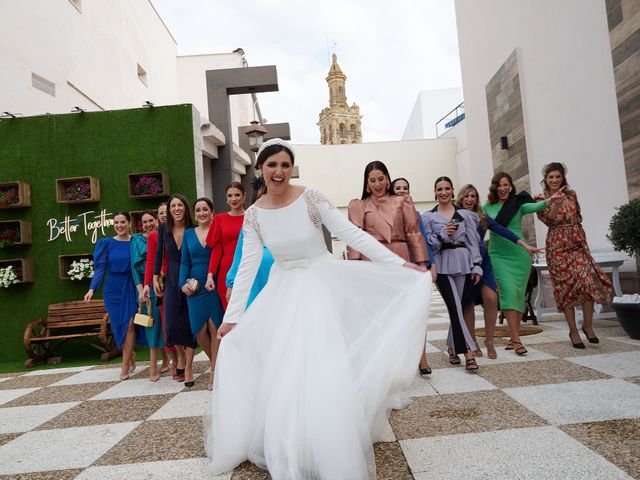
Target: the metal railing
pixel 451 119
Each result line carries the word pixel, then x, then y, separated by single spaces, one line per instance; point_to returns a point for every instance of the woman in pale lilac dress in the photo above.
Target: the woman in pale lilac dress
pixel 454 238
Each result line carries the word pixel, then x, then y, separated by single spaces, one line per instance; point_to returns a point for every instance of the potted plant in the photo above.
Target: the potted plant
pixel 624 234
pixel 81 269
pixel 8 276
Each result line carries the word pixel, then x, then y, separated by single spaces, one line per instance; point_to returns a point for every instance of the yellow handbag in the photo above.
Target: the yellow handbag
pixel 142 319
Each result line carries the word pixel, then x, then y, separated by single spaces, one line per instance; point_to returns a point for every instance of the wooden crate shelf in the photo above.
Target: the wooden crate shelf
pixel 163 180
pixel 24 229
pixel 63 183
pixel 23 190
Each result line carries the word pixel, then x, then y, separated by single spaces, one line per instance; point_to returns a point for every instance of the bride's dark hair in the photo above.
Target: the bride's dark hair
pixel 272 150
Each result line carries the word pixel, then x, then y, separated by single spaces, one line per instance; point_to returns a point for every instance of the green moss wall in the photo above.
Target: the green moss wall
pixel 108 145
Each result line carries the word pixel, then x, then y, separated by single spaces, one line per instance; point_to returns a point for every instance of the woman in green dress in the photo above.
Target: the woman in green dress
pixel 511 264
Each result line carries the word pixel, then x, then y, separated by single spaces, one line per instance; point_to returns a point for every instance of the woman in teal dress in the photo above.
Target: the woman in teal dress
pixel 511 263
pixel 205 308
pixel 153 334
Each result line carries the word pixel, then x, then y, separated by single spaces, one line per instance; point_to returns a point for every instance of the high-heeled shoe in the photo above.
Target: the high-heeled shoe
pixel 591 339
pixel 179 375
pixel 579 345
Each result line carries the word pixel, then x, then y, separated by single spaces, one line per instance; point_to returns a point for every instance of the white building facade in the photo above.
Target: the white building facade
pixel 107 55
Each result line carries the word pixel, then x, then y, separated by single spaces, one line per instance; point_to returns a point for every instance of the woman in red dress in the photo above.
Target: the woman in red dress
pixel 223 238
pixel 576 278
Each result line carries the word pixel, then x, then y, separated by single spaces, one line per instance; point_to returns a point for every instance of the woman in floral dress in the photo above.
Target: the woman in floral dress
pixel 576 278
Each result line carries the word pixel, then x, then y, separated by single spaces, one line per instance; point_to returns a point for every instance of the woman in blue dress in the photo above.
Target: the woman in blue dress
pixel 112 256
pixel 153 334
pixel 205 308
pixel 400 186
pixel 485 292
pixel 174 301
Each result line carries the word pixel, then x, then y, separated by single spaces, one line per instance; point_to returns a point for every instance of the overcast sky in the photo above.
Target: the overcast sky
pixel 389 50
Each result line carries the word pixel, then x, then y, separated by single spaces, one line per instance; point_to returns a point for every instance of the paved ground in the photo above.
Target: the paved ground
pixel 556 413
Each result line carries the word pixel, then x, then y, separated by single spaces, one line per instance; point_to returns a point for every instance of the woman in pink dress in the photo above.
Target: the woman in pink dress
pixel 392 220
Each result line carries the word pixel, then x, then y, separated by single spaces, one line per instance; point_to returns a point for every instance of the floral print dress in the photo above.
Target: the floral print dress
pixel 575 276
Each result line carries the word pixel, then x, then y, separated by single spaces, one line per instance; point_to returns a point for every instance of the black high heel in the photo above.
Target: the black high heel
pixel 578 345
pixel 591 339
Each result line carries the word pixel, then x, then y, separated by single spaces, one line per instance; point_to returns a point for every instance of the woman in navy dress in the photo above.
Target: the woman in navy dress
pixel 176 314
pixel 112 255
pixel 485 292
pixel 205 308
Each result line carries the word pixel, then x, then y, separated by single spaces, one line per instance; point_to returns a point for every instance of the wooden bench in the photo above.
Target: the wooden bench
pixel 66 321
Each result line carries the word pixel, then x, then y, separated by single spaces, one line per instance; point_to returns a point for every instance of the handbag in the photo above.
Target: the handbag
pixel 193 283
pixel 142 319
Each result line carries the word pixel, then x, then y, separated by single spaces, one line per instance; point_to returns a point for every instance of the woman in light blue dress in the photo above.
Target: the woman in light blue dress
pixel 205 308
pixel 153 334
pixel 261 277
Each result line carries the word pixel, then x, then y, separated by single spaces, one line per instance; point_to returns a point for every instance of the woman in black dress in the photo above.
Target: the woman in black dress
pixel 176 313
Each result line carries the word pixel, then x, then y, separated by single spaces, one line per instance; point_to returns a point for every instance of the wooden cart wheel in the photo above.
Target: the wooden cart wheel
pixel 37 349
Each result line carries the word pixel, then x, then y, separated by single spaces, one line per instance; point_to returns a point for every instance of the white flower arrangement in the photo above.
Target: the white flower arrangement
pixel 8 277
pixel 81 269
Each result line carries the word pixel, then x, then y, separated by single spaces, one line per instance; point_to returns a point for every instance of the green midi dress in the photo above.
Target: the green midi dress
pixel 511 263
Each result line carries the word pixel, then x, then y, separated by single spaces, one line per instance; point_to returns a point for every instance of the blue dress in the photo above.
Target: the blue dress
pixel 263 270
pixel 194 263
pixel 113 257
pixel 154 334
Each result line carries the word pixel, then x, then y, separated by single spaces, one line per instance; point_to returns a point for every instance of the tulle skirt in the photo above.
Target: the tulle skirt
pixel 305 382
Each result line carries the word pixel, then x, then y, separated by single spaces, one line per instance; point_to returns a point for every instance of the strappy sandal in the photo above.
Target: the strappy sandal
pixel 453 358
pixel 471 365
pixel 509 345
pixel 521 350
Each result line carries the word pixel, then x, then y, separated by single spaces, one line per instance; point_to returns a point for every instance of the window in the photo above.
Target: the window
pixel 42 84
pixel 142 74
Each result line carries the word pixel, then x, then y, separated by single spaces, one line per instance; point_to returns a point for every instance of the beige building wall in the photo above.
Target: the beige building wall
pixel 338 170
pixel 569 107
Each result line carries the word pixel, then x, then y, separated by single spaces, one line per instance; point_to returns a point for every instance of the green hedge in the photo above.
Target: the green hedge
pixel 108 145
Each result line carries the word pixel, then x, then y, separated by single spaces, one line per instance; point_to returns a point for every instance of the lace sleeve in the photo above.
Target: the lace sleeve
pixel 252 252
pixel 321 210
pixel 313 199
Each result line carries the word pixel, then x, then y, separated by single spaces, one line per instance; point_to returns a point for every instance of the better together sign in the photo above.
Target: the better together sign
pixel 83 224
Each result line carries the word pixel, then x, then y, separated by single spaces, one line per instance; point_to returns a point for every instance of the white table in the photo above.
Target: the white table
pixel 608 261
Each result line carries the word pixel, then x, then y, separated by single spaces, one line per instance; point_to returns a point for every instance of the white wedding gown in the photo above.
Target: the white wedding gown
pixel 305 382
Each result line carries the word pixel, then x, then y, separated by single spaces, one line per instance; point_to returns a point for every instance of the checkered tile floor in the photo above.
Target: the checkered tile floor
pixel 556 413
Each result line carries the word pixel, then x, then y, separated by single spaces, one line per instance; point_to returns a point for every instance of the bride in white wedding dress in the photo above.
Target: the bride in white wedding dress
pixel 307 375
